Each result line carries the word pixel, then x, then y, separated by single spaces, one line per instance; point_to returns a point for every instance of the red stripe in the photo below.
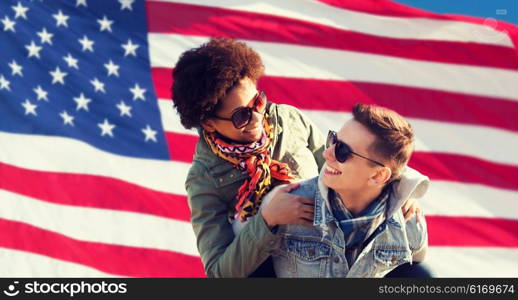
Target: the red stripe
pixel 181 146
pixel 333 95
pixel 465 169
pixel 112 259
pixel 92 191
pixel 209 21
pixel 163 82
pixel 472 232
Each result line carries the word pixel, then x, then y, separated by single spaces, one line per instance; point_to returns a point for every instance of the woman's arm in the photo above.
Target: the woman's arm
pixel 222 254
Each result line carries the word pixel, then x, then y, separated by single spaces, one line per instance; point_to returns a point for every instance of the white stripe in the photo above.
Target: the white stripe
pixel 385 26
pixel 171 120
pixel 454 199
pixel 296 61
pixel 60 154
pixel 24 264
pixel 473 262
pixel 431 136
pixel 100 225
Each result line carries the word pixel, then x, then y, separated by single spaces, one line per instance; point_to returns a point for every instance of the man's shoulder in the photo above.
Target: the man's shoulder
pixel 307 188
pixel 416 232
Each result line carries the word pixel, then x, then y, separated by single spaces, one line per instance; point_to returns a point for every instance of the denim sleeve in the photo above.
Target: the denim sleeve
pixel 307 188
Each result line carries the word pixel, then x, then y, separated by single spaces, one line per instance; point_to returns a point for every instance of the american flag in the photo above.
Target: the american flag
pixel 93 157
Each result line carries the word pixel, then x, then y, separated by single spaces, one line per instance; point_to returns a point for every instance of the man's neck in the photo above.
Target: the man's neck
pixel 357 201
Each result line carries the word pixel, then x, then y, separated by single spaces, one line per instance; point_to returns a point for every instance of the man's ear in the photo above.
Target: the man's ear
pixel 382 175
pixel 208 125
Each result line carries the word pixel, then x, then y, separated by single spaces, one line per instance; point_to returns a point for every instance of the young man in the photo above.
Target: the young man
pixel 359 229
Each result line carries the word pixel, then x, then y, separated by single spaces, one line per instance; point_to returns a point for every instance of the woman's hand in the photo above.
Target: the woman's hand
pixel 280 207
pixel 410 208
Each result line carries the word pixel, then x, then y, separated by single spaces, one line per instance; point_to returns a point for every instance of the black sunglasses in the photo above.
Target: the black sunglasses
pixel 342 150
pixel 243 115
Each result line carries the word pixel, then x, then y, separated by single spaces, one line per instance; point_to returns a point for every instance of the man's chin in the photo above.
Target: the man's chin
pixel 327 181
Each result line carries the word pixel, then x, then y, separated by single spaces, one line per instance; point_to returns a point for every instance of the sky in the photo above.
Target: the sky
pixel 505 10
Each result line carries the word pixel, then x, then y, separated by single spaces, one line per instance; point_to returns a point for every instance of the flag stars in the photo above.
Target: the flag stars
pixel 16 69
pixel 58 76
pixel 130 48
pixel 46 37
pixel 149 133
pixel 82 102
pixel 112 68
pixel 8 24
pixel 41 94
pixel 20 11
pixel 138 92
pixel 87 44
pixel 126 4
pixel 30 109
pixel 124 109
pixel 81 2
pixel 61 19
pixel 4 83
pixel 71 61
pixel 106 128
pixel 98 85
pixel 67 119
pixel 34 50
pixel 105 24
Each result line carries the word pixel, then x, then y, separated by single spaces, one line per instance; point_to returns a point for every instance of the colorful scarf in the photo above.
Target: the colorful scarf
pixel 255 160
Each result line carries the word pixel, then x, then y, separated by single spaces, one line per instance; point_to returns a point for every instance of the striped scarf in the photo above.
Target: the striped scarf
pixel 255 160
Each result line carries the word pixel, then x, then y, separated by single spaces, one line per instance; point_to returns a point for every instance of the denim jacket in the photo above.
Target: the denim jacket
pixel 318 251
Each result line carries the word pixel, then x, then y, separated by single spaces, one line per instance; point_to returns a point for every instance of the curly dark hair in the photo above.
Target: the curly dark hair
pixel 204 75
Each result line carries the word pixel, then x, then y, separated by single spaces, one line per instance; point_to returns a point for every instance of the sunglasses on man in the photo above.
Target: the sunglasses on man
pixel 243 115
pixel 342 150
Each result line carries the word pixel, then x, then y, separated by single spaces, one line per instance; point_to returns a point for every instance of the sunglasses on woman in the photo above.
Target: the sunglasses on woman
pixel 243 115
pixel 342 150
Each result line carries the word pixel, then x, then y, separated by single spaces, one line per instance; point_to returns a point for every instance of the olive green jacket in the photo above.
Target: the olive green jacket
pixel 212 185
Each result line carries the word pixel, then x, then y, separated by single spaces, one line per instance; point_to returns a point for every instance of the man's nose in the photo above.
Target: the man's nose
pixel 329 154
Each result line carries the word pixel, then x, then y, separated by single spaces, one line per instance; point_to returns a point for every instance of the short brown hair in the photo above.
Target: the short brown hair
pixel 204 75
pixel 395 137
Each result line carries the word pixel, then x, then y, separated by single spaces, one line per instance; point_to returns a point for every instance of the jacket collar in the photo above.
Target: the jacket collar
pixel 322 205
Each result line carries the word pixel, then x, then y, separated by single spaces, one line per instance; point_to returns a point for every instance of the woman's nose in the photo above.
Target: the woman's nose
pixel 256 118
